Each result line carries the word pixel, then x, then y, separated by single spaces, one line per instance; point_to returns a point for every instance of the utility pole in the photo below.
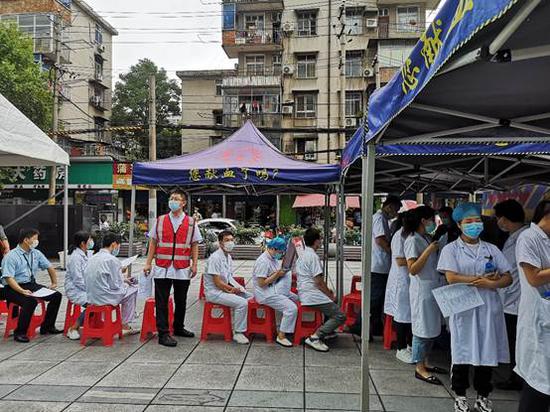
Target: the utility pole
pixel 376 66
pixel 152 145
pixel 342 65
pixel 55 106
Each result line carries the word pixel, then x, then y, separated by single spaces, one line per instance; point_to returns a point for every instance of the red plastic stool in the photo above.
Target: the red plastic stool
pixel 355 279
pixel 216 325
pixel 305 328
pixel 261 325
pixel 36 320
pixel 3 308
pixel 99 323
pixel 149 323
pixel 294 284
pixel 201 289
pixel 71 315
pixel 390 335
pixel 240 280
pixel 350 303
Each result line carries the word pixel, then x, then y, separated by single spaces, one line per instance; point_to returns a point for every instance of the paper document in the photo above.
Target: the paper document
pixel 127 262
pixel 145 286
pixel 43 292
pixel 457 298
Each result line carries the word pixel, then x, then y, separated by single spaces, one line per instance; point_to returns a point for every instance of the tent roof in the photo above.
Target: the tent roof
pixel 22 143
pixel 485 83
pixel 245 158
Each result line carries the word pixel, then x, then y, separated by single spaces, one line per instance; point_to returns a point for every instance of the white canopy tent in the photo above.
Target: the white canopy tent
pixel 22 143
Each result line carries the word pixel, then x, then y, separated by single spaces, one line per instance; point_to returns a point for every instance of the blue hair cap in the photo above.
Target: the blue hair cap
pixel 465 210
pixel 278 243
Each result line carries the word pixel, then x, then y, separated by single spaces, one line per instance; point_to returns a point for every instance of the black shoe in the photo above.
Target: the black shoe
pixel 510 385
pixel 51 331
pixel 21 338
pixel 167 340
pixel 184 333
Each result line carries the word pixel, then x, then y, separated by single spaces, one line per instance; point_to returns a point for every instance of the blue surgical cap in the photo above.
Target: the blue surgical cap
pixel 278 243
pixel 465 210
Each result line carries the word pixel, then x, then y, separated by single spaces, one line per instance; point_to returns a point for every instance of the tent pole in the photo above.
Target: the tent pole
pixel 224 206
pixel 342 229
pixel 132 221
pixel 65 215
pixel 277 210
pixel 367 206
pixel 326 233
pixel 337 240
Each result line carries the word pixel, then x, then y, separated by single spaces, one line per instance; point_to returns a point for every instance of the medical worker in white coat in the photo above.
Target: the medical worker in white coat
pixel 75 283
pixel 478 336
pixel 533 338
pixel 220 287
pixel 421 254
pixel 272 288
pixel 397 303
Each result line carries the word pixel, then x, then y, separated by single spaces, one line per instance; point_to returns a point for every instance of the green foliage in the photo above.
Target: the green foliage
pixel 247 235
pixel 130 107
pixel 353 237
pixel 22 81
pixel 123 229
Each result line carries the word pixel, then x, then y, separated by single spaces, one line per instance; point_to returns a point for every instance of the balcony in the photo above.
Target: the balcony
pixel 253 78
pixel 251 41
pixel 98 102
pixel 259 119
pixel 256 5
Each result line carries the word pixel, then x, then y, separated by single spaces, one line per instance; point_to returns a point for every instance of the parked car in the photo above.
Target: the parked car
pixel 217 225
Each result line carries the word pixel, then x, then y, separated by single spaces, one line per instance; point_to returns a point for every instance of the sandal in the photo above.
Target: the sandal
pixel 430 379
pixel 438 370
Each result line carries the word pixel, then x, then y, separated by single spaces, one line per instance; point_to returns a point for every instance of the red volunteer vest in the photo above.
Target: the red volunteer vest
pixel 174 247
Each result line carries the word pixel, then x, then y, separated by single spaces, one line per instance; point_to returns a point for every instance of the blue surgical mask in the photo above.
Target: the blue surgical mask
pixel 91 244
pixel 430 227
pixel 472 230
pixel 115 252
pixel 174 205
pixel 278 256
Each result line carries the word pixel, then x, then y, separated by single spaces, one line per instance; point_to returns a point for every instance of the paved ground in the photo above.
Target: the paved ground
pixel 55 374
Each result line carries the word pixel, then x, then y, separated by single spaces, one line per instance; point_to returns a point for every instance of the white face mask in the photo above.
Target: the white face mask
pixel 229 246
pixel 34 244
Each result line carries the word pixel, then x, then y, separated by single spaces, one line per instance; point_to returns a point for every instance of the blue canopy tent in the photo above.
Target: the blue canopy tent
pixel 476 77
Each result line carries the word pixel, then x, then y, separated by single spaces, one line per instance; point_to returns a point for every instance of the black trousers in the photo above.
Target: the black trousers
pixel 404 335
pixel 377 294
pixel 511 331
pixel 533 401
pixel 460 379
pixel 162 294
pixel 28 304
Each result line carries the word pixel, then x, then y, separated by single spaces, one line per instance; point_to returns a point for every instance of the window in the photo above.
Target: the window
pixel 218 87
pixel 393 53
pixel 39 27
pixel 306 65
pixel 354 104
pixel 98 68
pixel 306 148
pixel 98 34
pixel 277 64
pixel 218 116
pixel 407 19
pixel 254 21
pixel 305 105
pixel 255 64
pixel 307 23
pixel 354 63
pixel 383 12
pixel 354 21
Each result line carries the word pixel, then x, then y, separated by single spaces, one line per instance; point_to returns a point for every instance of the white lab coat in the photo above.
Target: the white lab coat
pixel 381 260
pixel 533 333
pixel 308 266
pixel 478 336
pixel 75 282
pixel 104 279
pixel 397 302
pixel 510 295
pixel 425 313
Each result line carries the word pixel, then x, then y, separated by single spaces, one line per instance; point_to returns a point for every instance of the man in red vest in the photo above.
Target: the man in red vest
pixel 174 244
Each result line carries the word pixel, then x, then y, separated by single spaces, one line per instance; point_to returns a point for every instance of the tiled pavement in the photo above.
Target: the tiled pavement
pixel 55 374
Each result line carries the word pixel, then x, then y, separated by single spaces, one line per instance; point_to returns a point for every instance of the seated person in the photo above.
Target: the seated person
pixel 107 285
pixel 314 292
pixel 221 288
pixel 272 288
pixel 75 285
pixel 19 270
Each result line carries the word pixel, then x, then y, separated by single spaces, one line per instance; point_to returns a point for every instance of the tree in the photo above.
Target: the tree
pixel 130 107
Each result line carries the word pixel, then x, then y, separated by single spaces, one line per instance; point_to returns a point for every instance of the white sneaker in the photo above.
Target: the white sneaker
pixel 284 342
pixel 409 349
pixel 73 334
pixel 483 404
pixel 461 404
pixel 317 344
pixel 240 338
pixel 404 356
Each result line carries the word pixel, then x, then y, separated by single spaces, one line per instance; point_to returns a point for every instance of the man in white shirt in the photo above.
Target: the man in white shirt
pixel 314 292
pixel 174 244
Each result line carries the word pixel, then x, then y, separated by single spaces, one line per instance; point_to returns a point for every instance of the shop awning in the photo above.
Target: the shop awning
pixel 352 202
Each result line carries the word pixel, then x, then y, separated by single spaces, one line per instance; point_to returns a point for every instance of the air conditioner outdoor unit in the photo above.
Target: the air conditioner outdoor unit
pixel 288 27
pixel 350 122
pixel 101 48
pixel 372 23
pixel 287 110
pixel 288 70
pixel 310 156
pixel 368 72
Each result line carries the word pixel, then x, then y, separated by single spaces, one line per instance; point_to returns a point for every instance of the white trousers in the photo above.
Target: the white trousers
pixel 284 304
pixel 239 303
pixel 128 305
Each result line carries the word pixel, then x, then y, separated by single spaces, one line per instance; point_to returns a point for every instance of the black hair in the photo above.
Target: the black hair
pixel 392 200
pixel 223 234
pixel 311 235
pixel 446 209
pixel 78 238
pixel 413 218
pixel 179 192
pixel 511 210
pixel 543 209
pixel 109 238
pixel 26 234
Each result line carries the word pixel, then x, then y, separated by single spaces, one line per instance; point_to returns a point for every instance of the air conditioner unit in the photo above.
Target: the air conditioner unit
pixel 310 156
pixel 240 40
pixel 368 72
pixel 372 23
pixel 288 27
pixel 101 48
pixel 287 109
pixel 350 122
pixel 288 70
